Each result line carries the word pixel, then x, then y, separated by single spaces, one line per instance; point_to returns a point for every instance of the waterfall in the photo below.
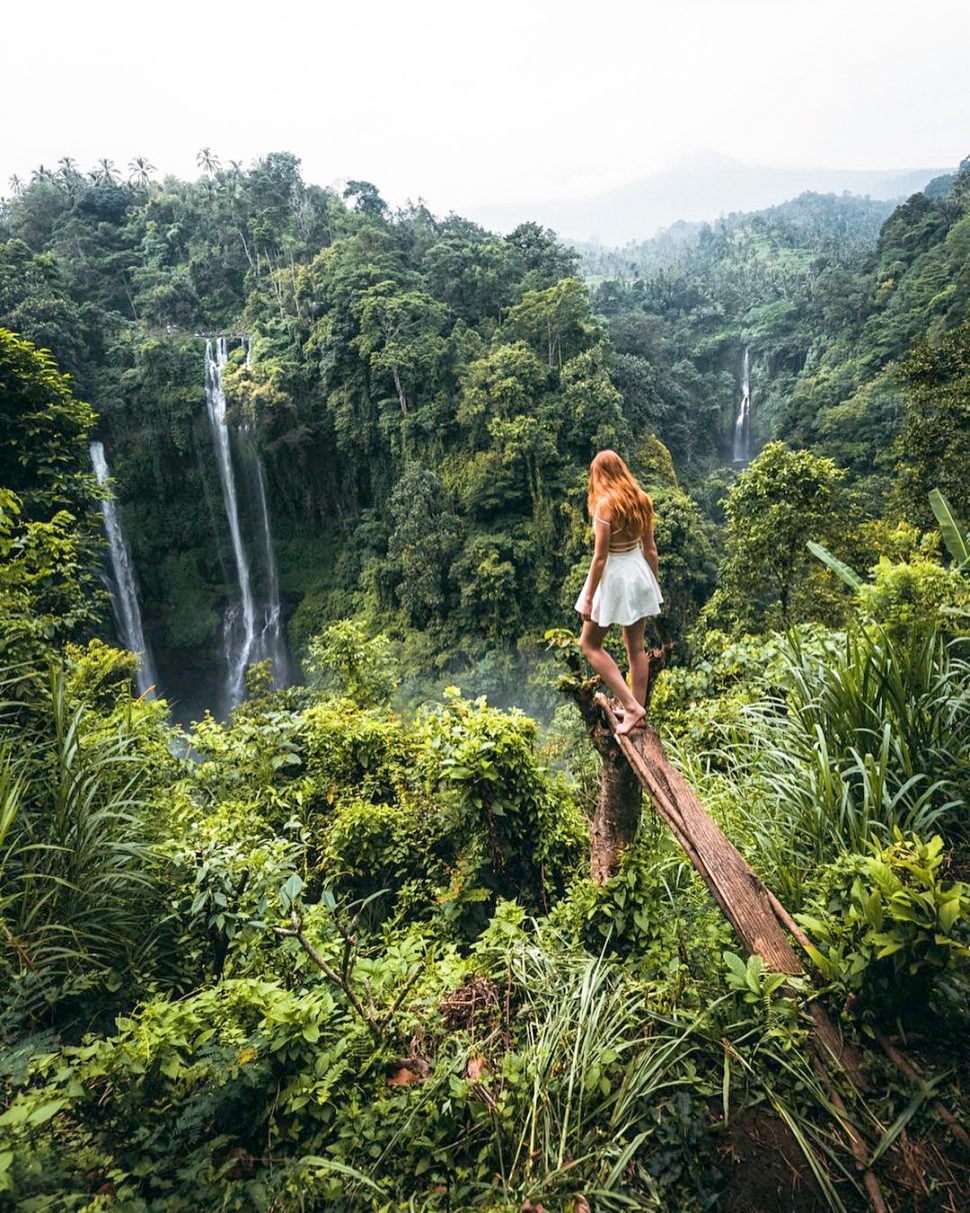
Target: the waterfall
pixel 239 624
pixel 124 599
pixel 742 424
pixel 251 630
pixel 271 640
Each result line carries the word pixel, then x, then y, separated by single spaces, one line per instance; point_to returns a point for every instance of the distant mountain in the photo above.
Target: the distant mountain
pixel 701 187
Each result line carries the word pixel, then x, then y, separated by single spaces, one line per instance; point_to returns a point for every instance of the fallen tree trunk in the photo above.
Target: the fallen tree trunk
pixel 735 886
pixel 745 901
pixel 753 911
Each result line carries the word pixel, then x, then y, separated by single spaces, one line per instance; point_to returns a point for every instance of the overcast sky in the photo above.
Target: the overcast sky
pixel 467 104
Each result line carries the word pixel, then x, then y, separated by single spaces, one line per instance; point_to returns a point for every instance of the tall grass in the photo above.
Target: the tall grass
pixel 596 1061
pixel 78 874
pixel 579 1090
pixel 872 733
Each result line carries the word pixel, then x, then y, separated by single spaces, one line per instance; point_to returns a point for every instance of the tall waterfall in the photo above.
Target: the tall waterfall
pixel 742 424
pixel 272 641
pixel 239 624
pixel 251 631
pixel 124 599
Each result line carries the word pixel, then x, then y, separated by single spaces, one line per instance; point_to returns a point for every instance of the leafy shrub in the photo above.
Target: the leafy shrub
pixel 872 732
pixel 355 665
pixel 887 926
pixel 347 747
pixel 229 878
pixel 903 595
pixel 651 913
pixel 525 833
pixel 399 847
pixel 82 880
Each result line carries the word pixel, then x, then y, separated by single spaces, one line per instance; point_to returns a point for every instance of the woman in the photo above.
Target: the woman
pixel 622 585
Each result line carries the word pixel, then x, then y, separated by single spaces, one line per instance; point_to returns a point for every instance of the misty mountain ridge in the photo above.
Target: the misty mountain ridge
pixel 699 188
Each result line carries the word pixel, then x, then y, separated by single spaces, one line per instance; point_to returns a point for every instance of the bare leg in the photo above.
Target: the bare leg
pixel 591 643
pixel 637 657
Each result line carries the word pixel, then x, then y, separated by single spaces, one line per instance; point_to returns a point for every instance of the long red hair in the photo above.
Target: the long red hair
pixel 612 482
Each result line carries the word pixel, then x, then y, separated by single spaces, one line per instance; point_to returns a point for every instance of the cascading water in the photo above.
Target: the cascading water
pixel 251 631
pixel 271 639
pixel 125 590
pixel 239 623
pixel 742 424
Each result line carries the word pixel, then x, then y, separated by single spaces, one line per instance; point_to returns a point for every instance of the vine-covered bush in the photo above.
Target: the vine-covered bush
pixel 888 926
pixel 522 831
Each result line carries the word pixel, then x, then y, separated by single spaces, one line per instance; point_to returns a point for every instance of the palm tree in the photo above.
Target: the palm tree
pixel 68 174
pixel 208 161
pixel 105 173
pixel 41 173
pixel 140 170
pixel 16 185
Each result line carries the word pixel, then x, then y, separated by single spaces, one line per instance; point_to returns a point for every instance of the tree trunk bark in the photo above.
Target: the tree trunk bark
pixel 402 399
pixel 617 818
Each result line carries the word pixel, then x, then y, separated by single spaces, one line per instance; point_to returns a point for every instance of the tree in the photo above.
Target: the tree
pixel 105 173
pixel 400 334
pixel 556 322
pixel 507 382
pixel 934 445
pixel 778 503
pixel 208 161
pixel 425 537
pixel 35 303
pixel 366 199
pixel 43 433
pixel 140 170
pixel 49 542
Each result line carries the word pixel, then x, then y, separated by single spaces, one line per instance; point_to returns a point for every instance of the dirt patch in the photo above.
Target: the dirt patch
pixel 765 1170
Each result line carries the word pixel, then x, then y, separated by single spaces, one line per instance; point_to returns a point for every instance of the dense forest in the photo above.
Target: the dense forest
pixel 296 906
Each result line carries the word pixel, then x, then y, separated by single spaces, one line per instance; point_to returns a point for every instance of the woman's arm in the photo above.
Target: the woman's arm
pixel 602 531
pixel 649 547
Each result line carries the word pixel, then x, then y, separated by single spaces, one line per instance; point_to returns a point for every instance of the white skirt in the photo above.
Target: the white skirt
pixel 628 590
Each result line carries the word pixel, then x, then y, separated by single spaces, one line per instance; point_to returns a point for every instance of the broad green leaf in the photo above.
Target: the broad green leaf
pixel 839 567
pixel 954 536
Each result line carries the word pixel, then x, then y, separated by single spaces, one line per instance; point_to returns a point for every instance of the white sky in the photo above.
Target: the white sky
pixel 482 104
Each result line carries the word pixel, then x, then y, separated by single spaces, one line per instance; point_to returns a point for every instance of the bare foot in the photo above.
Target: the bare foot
pixel 631 718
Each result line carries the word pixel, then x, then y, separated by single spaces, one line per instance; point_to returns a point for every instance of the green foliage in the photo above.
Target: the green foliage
pixel 35 304
pixel 227 878
pixel 81 880
pixel 781 500
pixel 887 926
pixel 47 594
pixel 367 750
pixel 869 734
pixel 524 831
pixel 400 849
pixel 357 666
pixel 653 913
pixel 49 548
pixel 906 595
pixel 421 547
pixel 702 704
pixel 556 321
pixel 314 935
pixel 954 536
pixel 933 447
pixel 43 457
